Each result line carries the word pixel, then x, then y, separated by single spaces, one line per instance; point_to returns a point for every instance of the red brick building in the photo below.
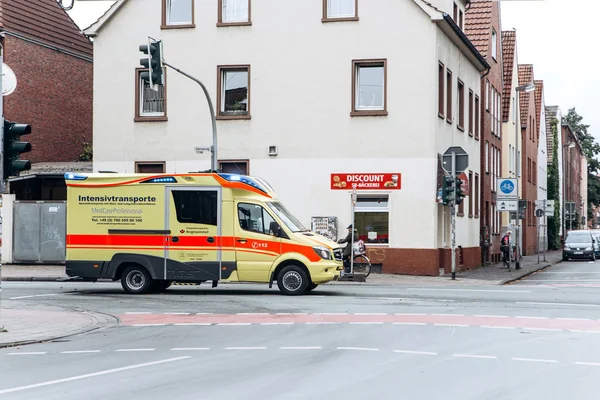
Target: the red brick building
pixel 529 155
pixel 572 156
pixel 482 26
pixel 52 60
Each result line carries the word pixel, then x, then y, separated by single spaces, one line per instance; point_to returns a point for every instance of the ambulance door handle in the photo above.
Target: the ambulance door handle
pixel 174 239
pixel 242 241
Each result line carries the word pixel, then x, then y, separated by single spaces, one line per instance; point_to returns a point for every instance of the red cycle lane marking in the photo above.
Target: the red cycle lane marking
pixel 510 322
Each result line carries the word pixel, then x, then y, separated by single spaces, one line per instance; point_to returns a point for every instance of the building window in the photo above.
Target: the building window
pixel 369 87
pixel 233 92
pixel 510 158
pixel 441 72
pixel 177 14
pixel 487 94
pixel 498 114
pixel 234 167
pixel 461 106
pixel 518 164
pixel 150 167
pixel 470 194
pixel 460 19
pixel 371 218
pixel 449 96
pixel 471 113
pixel 234 12
pixel 487 157
pixel 461 209
pixel 476 195
pixel 534 172
pixel 493 106
pixel 340 10
pixel 455 15
pixel 477 111
pixel 150 102
pixel 196 206
pixel 494 44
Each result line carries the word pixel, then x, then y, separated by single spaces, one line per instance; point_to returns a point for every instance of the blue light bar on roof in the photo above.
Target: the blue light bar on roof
pixel 243 179
pixel 69 176
pixel 166 179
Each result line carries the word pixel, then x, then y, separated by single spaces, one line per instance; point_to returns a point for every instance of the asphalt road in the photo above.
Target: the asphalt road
pixel 535 339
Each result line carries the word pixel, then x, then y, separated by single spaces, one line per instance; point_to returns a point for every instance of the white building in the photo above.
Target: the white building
pixel 542 158
pixel 334 89
pixel 554 113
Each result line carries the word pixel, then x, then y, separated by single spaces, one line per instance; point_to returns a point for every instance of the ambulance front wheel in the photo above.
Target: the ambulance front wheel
pixel 292 280
pixel 136 280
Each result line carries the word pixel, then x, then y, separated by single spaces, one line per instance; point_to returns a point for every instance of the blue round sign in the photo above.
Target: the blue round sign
pixel 507 187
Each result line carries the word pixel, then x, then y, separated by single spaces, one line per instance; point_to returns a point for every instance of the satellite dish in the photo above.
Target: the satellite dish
pixel 9 80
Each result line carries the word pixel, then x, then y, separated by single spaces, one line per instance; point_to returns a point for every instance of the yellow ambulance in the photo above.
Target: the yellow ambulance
pixel 151 230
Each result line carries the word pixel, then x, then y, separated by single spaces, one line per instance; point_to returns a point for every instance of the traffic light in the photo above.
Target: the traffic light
pixel 13 148
pixel 153 63
pixel 460 194
pixel 448 190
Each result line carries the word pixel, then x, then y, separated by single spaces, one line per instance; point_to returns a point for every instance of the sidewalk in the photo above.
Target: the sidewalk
pixel 495 274
pixel 40 324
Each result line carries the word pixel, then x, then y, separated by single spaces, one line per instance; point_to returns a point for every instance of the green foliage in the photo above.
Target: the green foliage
pixel 554 192
pixel 88 153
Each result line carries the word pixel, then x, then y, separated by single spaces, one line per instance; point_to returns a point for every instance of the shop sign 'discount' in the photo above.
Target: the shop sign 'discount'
pixel 366 181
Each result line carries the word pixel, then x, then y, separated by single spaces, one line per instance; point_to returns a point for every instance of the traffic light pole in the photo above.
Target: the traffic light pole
pixel 213 118
pixel 453 219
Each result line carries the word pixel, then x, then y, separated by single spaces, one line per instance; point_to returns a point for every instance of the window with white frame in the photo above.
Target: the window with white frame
pixel 150 99
pixel 235 11
pixel 494 44
pixel 487 157
pixel 369 86
pixel 178 12
pixel 337 9
pixel 487 94
pixel 372 218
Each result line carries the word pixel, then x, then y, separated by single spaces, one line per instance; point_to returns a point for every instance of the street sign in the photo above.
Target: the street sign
pixel 462 159
pixel 507 189
pixel 539 212
pixel 201 150
pixel 508 205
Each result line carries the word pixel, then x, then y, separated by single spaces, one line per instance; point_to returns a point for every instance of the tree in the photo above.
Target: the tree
pixel 554 192
pixel 591 149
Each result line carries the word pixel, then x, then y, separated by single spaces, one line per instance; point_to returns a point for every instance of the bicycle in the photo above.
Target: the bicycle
pixel 514 255
pixel 506 258
pixel 361 263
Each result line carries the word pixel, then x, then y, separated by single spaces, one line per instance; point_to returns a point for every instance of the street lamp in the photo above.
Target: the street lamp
pixel 569 146
pixel 530 87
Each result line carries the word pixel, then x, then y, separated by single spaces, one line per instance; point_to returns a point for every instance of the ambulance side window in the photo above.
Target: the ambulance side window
pixel 254 218
pixel 196 207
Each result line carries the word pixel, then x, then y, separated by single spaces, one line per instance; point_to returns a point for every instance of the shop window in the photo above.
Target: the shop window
pixel 196 206
pixel 372 218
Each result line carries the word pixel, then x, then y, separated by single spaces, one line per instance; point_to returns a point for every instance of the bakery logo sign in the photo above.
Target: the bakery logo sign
pixel 365 181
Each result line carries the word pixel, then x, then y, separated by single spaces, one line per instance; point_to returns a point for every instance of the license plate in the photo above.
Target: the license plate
pixel 578 252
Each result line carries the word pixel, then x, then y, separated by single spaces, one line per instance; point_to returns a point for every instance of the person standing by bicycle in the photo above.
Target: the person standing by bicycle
pixel 505 248
pixel 348 249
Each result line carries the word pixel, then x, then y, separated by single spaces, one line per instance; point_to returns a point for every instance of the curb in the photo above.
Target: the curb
pixel 102 321
pixel 525 275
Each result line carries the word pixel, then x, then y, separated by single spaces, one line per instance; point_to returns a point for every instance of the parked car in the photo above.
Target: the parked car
pixel 596 245
pixel 579 245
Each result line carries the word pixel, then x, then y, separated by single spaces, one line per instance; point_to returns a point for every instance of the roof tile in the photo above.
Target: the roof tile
pixel 539 91
pixel 509 41
pixel 525 77
pixel 478 24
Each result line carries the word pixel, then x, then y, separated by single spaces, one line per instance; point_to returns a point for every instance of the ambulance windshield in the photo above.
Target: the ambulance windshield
pixel 288 219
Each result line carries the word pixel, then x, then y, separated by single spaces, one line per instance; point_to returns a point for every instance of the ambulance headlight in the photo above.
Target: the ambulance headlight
pixel 323 252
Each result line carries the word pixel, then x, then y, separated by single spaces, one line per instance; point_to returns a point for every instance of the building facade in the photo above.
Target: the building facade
pixel 483 28
pixel 542 157
pixel 359 107
pixel 573 181
pixel 553 118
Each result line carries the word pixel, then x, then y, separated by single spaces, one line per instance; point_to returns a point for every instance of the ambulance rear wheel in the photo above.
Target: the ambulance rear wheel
pixel 292 280
pixel 136 280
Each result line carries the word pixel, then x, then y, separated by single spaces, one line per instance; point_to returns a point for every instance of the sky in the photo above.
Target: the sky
pixel 553 35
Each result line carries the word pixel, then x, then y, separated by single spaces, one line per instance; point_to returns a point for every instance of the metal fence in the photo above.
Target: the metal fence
pixel 39 231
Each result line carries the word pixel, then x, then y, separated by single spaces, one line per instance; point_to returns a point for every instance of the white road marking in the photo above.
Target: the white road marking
pixel 366 313
pixel 331 313
pixel 322 323
pixel 245 348
pixel 497 327
pixel 389 298
pixel 358 348
pixel 471 290
pixel 492 316
pixel 277 323
pixel 234 324
pixel 190 348
pixel 449 315
pixel 543 329
pixel 79 351
pixel 74 378
pixel 587 363
pixel 454 325
pixel 425 353
pixel 130 350
pixel 149 325
pixel 532 317
pixel 137 312
pixel 193 324
pixel 410 314
pixel 475 356
pixel 250 313
pixel 204 313
pixel 565 272
pixel 33 295
pixel 366 323
pixel 558 304
pixel 301 348
pixel 409 323
pixel 177 313
pixel 27 353
pixel 575 319
pixel 534 360
pixel 582 331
